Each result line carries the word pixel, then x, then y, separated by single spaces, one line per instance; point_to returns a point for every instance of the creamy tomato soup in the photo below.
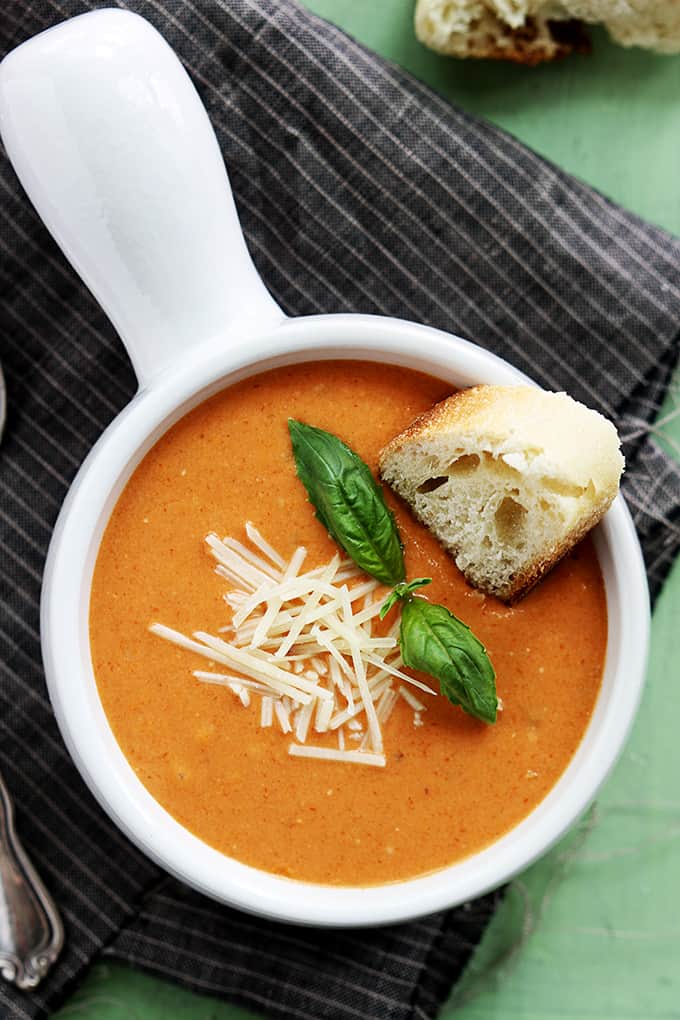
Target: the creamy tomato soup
pixel 451 785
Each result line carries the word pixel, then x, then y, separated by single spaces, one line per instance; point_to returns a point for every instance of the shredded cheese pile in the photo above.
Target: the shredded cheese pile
pixel 304 645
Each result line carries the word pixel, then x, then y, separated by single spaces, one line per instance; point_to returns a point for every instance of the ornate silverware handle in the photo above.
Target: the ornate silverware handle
pixel 31 932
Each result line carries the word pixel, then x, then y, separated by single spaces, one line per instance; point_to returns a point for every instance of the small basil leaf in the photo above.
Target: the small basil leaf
pixel 434 641
pixel 402 591
pixel 348 501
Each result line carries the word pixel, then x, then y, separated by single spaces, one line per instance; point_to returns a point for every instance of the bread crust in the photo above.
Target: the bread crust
pixel 450 410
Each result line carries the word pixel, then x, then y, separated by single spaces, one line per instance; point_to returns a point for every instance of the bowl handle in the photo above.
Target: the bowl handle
pixel 114 148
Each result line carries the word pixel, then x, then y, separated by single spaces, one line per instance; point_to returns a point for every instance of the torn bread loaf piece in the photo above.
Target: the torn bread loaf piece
pixel 533 31
pixel 477 29
pixel 508 478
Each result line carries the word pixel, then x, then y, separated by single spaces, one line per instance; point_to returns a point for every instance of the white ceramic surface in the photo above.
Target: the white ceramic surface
pixel 115 151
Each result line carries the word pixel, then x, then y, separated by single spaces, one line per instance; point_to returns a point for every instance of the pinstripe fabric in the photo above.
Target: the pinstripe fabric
pixel 359 190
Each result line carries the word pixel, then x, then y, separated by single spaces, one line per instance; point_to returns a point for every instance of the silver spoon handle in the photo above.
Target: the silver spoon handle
pixel 31 932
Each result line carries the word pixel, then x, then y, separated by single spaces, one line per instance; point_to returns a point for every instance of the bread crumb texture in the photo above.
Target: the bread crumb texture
pixel 508 478
pixel 533 31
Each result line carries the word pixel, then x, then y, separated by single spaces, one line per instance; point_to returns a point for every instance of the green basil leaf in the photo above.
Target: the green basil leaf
pixel 435 641
pixel 402 591
pixel 348 501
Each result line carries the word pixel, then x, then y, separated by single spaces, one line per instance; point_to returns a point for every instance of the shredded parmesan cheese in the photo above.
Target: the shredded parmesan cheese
pixel 331 754
pixel 323 716
pixel 266 711
pixel 304 717
pixel 283 715
pixel 411 699
pixel 264 546
pixel 303 645
pixel 229 680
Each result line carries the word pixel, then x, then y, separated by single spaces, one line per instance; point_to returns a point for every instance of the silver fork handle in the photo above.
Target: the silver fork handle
pixel 31 932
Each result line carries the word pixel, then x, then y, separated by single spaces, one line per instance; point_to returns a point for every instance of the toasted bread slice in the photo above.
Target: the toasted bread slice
pixel 508 478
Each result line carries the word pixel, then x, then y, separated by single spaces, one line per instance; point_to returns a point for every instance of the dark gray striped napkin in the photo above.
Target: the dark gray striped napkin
pixel 359 190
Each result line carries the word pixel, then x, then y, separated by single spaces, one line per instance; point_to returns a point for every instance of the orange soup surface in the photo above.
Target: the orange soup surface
pixel 452 785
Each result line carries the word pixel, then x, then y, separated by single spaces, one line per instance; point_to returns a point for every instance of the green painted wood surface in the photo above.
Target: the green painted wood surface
pixel 592 932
